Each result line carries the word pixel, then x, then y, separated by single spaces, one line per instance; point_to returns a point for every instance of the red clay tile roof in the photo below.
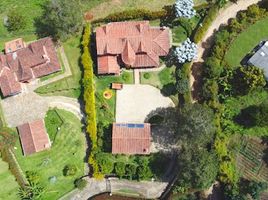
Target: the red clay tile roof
pixel 8 83
pixel 38 59
pixel 138 44
pixel 131 138
pixel 14 45
pixel 108 65
pixel 33 137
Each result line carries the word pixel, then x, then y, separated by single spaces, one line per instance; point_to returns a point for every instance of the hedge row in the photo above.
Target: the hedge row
pixel 202 29
pixel 6 144
pixel 89 99
pixel 133 14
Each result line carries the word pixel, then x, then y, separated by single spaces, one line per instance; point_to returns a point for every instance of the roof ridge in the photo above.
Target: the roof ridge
pixel 156 41
pixel 32 136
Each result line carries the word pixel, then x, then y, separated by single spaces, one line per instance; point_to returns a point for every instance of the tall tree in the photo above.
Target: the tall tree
pixel 61 19
pixel 196 125
pixel 198 169
pixel 184 8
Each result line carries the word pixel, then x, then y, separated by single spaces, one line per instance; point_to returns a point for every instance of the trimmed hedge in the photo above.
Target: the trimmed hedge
pixel 89 99
pixel 201 30
pixel 7 141
pixel 133 14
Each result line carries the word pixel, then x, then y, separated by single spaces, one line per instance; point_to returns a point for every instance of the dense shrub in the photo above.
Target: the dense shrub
pixel 16 21
pixel 69 170
pixel 80 183
pixel 201 31
pixel 146 75
pixel 133 14
pixel 120 169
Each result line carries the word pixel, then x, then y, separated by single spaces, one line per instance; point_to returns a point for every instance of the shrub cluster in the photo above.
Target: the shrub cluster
pixel 133 14
pixel 137 167
pixel 89 99
pixel 202 29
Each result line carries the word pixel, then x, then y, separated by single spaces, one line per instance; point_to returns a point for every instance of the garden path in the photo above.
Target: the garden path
pixel 224 15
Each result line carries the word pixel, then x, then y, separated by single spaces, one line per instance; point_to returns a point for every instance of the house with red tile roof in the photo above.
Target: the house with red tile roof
pixel 128 138
pixel 132 44
pixel 33 137
pixel 25 63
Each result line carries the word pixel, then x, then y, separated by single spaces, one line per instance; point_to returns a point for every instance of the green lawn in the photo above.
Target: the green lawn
pixel 246 41
pixel 69 148
pixel 104 83
pixel 8 185
pixel 69 86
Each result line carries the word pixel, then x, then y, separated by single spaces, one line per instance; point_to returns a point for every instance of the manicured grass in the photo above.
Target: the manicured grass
pixel 8 185
pixel 69 148
pixel 103 83
pixel 69 86
pixel 246 41
pixel 53 123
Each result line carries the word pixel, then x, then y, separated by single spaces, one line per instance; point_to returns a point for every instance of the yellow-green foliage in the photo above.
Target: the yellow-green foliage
pixel 89 99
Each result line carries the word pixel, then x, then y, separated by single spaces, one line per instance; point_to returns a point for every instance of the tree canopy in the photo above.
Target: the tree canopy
pixel 186 52
pixel 16 21
pixel 184 8
pixel 196 127
pixel 61 19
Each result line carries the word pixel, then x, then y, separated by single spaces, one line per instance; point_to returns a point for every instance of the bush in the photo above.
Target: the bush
pixel 146 75
pixel 126 77
pixel 16 21
pixel 80 183
pixel 156 119
pixel 120 169
pixel 69 170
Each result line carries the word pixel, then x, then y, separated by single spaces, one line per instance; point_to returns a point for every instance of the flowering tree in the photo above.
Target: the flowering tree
pixel 184 8
pixel 186 52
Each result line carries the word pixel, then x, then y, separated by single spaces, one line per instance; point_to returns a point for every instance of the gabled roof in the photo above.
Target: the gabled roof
pixel 14 45
pixel 33 137
pixel 130 138
pixel 8 83
pixel 138 44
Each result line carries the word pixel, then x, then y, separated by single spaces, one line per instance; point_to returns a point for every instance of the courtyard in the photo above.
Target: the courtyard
pixel 135 102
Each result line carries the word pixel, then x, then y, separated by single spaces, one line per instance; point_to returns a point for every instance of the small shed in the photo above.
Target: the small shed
pixel 117 86
pixel 33 137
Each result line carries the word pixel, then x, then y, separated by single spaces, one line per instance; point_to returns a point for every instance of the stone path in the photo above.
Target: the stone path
pixel 224 15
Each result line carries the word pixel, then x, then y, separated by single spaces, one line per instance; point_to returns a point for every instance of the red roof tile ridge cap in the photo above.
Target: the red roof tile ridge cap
pixel 32 135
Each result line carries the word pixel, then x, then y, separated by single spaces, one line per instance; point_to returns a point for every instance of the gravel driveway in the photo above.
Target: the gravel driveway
pixel 135 102
pixel 29 106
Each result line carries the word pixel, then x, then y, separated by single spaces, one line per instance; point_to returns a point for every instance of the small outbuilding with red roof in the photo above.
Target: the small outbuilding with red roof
pixel 130 138
pixel 33 137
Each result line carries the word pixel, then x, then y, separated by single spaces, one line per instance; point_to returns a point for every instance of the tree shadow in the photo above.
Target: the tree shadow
pixel 245 117
pixel 164 131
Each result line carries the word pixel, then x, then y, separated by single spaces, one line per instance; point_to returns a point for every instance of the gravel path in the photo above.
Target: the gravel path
pixel 224 15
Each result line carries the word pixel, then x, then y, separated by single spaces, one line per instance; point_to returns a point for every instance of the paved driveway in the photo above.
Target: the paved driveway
pixel 29 106
pixel 135 102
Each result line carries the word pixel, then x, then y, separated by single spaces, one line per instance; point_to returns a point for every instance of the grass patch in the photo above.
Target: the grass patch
pixel 246 41
pixel 53 123
pixel 9 186
pixel 103 83
pixel 69 148
pixel 69 86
